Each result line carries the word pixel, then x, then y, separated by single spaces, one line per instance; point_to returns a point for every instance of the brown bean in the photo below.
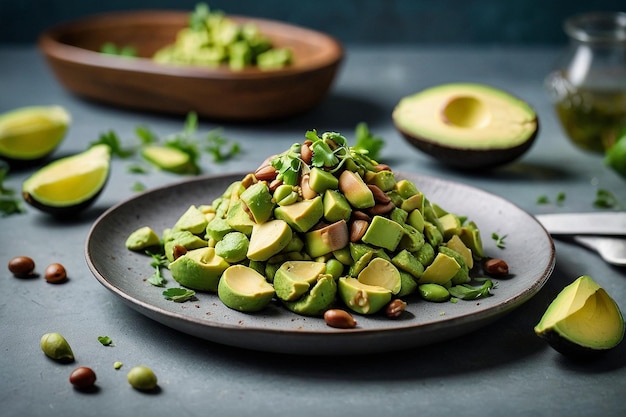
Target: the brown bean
pixel 178 251
pixel 359 215
pixel 340 319
pixel 306 154
pixel 55 273
pixel 266 173
pixel 395 308
pixel 22 266
pixel 357 230
pixel 496 267
pixel 381 208
pixel 83 377
pixel 379 195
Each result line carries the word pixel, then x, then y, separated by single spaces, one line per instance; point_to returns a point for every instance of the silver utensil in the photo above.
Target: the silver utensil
pixel 611 249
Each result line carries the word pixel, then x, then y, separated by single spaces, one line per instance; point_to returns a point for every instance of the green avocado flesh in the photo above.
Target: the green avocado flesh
pixel 582 319
pixel 69 184
pixel 334 233
pixel 467 124
pixel 30 133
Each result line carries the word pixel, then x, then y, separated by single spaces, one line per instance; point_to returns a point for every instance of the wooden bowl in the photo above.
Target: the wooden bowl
pixel 72 51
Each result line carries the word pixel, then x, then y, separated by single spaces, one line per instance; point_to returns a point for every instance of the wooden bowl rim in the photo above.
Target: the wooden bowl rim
pixel 49 43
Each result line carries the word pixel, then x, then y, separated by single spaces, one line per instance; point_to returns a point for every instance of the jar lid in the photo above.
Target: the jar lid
pixel 597 27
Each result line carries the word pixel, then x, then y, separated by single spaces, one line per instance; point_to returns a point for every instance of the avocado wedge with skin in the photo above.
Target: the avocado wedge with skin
pixel 69 185
pixel 583 320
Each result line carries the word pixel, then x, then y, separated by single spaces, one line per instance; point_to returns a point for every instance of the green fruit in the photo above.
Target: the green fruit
pixel 169 159
pixel 467 125
pixel 582 320
pixel 56 347
pixel 29 134
pixel 199 269
pixel 615 157
pixel 71 184
pixel 363 298
pixel 142 378
pixel 244 289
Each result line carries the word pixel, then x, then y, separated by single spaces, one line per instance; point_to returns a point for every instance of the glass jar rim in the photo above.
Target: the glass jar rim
pixel 597 27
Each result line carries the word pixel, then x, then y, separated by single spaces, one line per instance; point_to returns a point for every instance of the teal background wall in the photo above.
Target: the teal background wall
pixel 352 21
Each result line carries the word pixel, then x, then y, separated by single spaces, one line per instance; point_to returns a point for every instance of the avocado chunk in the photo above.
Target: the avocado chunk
pixel 258 200
pixel 169 159
pixel 327 239
pixel 355 190
pixel 199 269
pixel 142 238
pixel 443 268
pixel 582 321
pixel 362 298
pixel 382 273
pixel 318 300
pixel 244 289
pixel 384 233
pixel 238 219
pixel 336 207
pixel 233 247
pixel 193 220
pixel 268 239
pixel 303 215
pixel 320 180
pixel 467 125
pixel 294 278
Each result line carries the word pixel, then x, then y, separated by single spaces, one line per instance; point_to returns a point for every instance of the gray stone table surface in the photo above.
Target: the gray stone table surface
pixel 502 369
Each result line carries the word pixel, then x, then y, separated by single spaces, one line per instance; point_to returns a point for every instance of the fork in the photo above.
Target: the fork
pixel 611 249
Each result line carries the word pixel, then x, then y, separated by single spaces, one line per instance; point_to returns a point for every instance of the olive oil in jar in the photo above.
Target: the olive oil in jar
pixel 593 118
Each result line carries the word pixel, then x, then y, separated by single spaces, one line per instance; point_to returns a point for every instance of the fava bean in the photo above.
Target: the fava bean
pixel 55 273
pixel 142 378
pixel 56 347
pixel 83 377
pixel 434 292
pixel 22 266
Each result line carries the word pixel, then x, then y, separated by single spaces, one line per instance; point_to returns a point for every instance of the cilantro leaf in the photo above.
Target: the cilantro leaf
pixel 606 199
pixel 499 240
pixel 105 340
pixel 9 203
pixel 179 295
pixel 112 140
pixel 158 261
pixel 220 147
pixel 367 141
pixel 469 292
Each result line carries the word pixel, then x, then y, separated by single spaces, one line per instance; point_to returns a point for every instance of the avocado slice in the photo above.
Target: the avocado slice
pixel 71 184
pixel 582 321
pixel 244 289
pixel 199 269
pixel 467 125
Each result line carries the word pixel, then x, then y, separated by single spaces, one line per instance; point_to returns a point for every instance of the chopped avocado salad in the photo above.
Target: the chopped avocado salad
pixel 321 225
pixel 212 39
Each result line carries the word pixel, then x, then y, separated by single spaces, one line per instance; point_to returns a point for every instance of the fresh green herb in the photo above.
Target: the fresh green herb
pixel 499 240
pixel 560 198
pixel 469 292
pixel 179 295
pixel 158 261
pixel 367 141
pixel 288 165
pixel 9 203
pixel 117 365
pixel 198 18
pixel 137 169
pixel 105 340
pixel 221 148
pixel 544 199
pixel 145 135
pixel 606 199
pixel 138 187
pixel 112 140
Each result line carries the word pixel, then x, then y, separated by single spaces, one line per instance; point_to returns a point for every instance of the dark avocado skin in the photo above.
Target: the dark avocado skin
pixel 569 348
pixel 470 159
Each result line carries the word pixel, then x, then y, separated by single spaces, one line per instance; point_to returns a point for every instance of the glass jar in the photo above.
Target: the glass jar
pixel 588 85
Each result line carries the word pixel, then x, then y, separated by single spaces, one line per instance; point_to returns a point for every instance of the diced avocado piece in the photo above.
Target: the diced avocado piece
pixel 406 188
pixel 408 284
pixel 414 202
pixel 451 225
pixel 462 275
pixel 456 244
pixel 320 180
pixel 294 278
pixel 143 238
pixel 431 217
pixel 343 255
pixel 233 247
pixel 217 228
pixel 384 233
pixel 358 250
pixel 336 207
pixel 244 289
pixel 318 300
pixel 432 234
pixel 258 200
pixel 441 270
pixel 183 238
pixel 169 159
pixel 193 220
pixel 406 261
pixel 359 263
pixel 355 190
pixel 268 239
pixel 416 220
pixel 303 215
pixel 470 235
pixel 362 298
pixel 327 239
pixel 398 215
pixel 425 254
pixel 296 244
pixel 199 269
pixel 238 219
pixel 382 273
pixel 412 239
pixel 396 198
pixel 385 180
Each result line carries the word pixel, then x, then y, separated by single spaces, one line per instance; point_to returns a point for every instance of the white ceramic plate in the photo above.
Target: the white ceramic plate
pixel 529 252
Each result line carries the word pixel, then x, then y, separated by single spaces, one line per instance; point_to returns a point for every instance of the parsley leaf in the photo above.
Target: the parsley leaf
pixel 367 141
pixel 606 199
pixel 158 261
pixel 469 292
pixel 105 340
pixel 112 140
pixel 499 240
pixel 220 147
pixel 179 295
pixel 9 203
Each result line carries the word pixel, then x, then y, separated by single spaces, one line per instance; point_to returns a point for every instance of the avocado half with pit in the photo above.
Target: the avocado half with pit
pixel 467 126
pixel 29 134
pixel 71 184
pixel 583 320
